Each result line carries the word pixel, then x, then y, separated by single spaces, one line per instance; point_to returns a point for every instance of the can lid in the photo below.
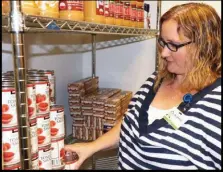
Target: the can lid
pixel 37 78
pixel 47 147
pixel 7 78
pixel 8 83
pixel 56 107
pixel 70 156
pixel 57 139
pixel 61 167
pixel 32 70
pixel 47 71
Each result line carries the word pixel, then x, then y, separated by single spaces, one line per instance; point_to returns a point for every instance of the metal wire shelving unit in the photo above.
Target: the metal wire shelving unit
pixel 50 25
pixel 18 24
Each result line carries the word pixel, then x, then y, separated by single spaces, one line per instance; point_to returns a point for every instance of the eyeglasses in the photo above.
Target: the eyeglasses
pixel 171 46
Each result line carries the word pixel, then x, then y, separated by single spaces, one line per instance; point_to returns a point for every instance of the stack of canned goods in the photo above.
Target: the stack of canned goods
pixel 47 130
pixel 57 131
pixel 40 123
pixel 10 134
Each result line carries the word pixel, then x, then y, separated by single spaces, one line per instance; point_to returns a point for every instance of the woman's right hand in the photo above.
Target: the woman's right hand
pixel 83 150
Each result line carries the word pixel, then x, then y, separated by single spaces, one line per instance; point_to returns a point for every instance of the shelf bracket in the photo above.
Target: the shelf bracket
pixel 16 26
pixel 93 55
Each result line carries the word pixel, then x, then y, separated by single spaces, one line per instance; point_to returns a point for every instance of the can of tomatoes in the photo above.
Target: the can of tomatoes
pixel 31 99
pixel 12 167
pixel 51 78
pixel 57 152
pixel 70 160
pixel 42 93
pixel 59 167
pixel 9 110
pixel 57 126
pixel 10 143
pixel 33 136
pixel 43 130
pixel 45 160
pixel 35 161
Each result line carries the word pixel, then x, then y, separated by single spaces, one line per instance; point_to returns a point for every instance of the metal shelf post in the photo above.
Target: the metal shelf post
pixel 93 55
pixel 157 28
pixel 16 24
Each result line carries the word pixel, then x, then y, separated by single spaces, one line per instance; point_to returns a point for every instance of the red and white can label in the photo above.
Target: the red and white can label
pixel 12 167
pixel 31 100
pixel 51 79
pixel 57 126
pixel 133 13
pixel 45 160
pixel 71 5
pixel 100 7
pixel 9 113
pixel 119 10
pixel 35 161
pixel 126 11
pixel 71 166
pixel 43 130
pixel 106 8
pixel 10 144
pixel 33 136
pixel 42 97
pixel 57 152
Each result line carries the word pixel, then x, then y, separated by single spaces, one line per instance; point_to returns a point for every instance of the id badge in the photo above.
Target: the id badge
pixel 175 118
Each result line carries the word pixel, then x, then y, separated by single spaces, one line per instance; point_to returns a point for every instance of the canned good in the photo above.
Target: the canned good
pixel 51 78
pixel 57 126
pixel 59 167
pixel 35 161
pixel 33 136
pixel 70 160
pixel 9 113
pixel 10 144
pixel 7 78
pixel 57 152
pixel 31 99
pixel 43 130
pixel 13 167
pixel 45 160
pixel 42 93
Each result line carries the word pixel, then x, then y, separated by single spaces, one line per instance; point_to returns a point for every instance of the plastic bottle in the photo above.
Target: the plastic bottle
pixel 126 13
pixel 71 10
pixel 94 11
pixel 119 18
pixel 5 7
pixel 48 8
pixel 30 7
pixel 109 7
pixel 133 22
pixel 140 13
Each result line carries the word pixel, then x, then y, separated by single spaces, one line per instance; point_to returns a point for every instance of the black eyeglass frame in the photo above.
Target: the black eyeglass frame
pixel 167 44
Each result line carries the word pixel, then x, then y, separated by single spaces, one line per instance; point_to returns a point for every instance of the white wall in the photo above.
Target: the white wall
pixel 168 4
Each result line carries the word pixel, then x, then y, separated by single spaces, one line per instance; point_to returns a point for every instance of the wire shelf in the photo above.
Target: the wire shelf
pixel 49 25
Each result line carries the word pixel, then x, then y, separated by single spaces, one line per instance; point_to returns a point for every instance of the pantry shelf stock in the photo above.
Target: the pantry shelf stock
pixel 50 25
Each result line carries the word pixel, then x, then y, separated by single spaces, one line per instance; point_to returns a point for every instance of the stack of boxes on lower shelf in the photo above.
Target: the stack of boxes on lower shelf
pixel 95 110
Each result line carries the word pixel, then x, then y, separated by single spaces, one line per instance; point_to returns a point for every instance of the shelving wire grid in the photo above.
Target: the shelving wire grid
pixel 48 25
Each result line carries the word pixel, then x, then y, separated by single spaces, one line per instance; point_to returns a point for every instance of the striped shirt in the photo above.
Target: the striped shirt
pixel 195 145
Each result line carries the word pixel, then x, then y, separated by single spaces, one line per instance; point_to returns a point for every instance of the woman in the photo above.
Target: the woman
pixel 174 120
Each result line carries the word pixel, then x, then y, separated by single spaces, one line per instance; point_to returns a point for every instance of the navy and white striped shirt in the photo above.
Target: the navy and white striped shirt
pixel 195 145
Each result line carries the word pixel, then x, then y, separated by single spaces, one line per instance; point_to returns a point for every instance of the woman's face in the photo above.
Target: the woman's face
pixel 176 61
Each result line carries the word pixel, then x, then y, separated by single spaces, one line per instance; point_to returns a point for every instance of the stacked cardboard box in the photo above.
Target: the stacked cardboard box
pixel 99 109
pixel 115 107
pixel 77 90
pixel 95 110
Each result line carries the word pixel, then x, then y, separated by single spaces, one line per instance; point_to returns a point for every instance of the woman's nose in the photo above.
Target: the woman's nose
pixel 165 52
